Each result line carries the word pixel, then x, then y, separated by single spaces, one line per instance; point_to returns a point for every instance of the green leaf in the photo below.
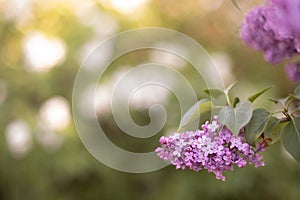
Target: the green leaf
pixel 292 96
pixel 296 94
pixel 201 107
pixel 218 97
pixel 235 4
pixel 271 124
pixel 236 118
pixel 296 123
pixel 256 125
pixel 276 132
pixel 258 94
pixel 297 91
pixel 276 101
pixel 290 140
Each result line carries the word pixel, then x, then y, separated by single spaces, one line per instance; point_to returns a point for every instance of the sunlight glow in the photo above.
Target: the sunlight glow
pixel 16 9
pixel 43 53
pixel 103 23
pixel 127 6
pixel 18 138
pixel 55 113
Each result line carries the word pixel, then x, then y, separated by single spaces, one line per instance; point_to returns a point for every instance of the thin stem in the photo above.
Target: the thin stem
pixel 283 120
pixel 279 111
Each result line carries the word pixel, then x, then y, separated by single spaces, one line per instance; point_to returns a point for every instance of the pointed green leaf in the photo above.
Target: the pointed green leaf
pixel 201 107
pixel 290 140
pixel 236 118
pixel 258 94
pixel 218 97
pixel 256 125
pixel 235 4
pixel 276 101
pixel 214 92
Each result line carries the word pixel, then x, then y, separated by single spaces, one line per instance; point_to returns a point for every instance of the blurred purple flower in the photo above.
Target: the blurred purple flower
pixel 213 148
pixel 258 33
pixel 293 71
pixel 274 28
pixel 284 16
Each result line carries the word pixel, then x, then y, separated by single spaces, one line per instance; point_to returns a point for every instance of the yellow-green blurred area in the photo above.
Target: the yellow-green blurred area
pixel 43 43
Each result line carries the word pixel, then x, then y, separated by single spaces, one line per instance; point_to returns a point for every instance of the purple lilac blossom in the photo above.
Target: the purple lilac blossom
pixel 274 28
pixel 293 71
pixel 213 148
pixel 284 17
pixel 258 33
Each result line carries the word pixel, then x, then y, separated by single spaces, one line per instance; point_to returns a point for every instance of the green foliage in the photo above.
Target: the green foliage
pixel 256 125
pixel 260 125
pixel 272 123
pixel 196 111
pixel 297 91
pixel 296 123
pixel 290 138
pixel 253 97
pixel 263 124
pixel 236 118
pixel 275 132
pixel 217 96
pixel 276 101
pixel 296 94
pixel 222 98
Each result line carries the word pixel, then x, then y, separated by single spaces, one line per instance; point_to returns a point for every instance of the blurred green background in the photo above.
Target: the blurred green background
pixel 42 45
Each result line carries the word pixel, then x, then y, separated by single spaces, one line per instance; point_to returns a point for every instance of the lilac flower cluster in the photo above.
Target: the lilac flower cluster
pixel 213 148
pixel 274 28
pixel 284 17
pixel 258 33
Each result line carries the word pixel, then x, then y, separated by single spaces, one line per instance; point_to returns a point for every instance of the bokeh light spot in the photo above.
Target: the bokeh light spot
pixel 55 113
pixel 18 138
pixel 43 53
